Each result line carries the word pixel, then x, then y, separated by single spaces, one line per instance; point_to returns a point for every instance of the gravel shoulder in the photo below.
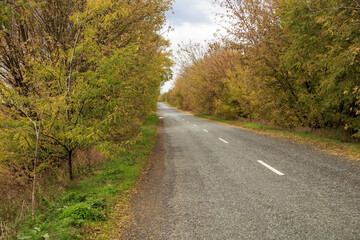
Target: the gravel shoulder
pixel 148 202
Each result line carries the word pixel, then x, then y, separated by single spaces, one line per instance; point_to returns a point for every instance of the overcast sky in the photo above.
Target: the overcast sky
pixel 193 20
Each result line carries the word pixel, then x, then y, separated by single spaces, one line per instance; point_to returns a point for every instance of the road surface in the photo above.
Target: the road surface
pixel 211 181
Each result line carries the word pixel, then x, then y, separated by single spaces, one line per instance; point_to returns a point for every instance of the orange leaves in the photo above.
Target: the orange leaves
pixel 356 89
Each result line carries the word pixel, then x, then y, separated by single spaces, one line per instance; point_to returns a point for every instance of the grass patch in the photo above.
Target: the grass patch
pixel 90 201
pixel 305 135
pixel 255 126
pixel 244 124
pixel 211 117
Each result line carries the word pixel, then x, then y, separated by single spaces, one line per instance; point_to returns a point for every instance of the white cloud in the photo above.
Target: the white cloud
pixel 196 33
pixel 167 86
pixel 193 21
pixel 189 11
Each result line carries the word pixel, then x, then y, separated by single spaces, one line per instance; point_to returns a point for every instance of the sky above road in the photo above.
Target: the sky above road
pixel 191 20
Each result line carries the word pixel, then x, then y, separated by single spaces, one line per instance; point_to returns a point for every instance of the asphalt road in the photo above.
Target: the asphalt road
pixel 221 182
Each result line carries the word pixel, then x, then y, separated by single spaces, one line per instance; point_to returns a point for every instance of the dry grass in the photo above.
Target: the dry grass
pixel 5 231
pixel 15 201
pixel 85 160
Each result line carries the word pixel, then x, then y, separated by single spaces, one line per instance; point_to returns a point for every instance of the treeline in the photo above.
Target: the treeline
pixel 74 74
pixel 290 62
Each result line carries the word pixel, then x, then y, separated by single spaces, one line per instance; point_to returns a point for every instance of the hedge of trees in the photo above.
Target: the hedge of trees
pixel 73 74
pixel 290 62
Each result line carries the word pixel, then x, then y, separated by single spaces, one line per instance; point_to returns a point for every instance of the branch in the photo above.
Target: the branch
pixel 51 137
pixel 28 143
pixel 71 61
pixel 74 147
pixel 70 73
pixel 352 8
pixel 33 122
pixel 53 122
pixel 80 111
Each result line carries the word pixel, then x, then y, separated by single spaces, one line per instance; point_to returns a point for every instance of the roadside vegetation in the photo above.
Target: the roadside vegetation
pixel 289 63
pixel 83 209
pixel 78 78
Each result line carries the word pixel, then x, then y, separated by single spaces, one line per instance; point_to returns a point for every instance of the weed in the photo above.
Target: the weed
pixel 76 215
pixel 75 197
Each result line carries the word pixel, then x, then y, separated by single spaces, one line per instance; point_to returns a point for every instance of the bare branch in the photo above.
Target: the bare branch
pixel 71 62
pixel 56 140
pixel 80 111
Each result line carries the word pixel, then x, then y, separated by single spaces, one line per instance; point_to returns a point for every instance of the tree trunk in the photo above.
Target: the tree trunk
pixel 70 164
pixel 37 129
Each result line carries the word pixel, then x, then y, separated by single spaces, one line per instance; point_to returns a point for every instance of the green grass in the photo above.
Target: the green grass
pixel 305 135
pixel 90 200
pixel 249 125
pixel 211 117
pixel 255 126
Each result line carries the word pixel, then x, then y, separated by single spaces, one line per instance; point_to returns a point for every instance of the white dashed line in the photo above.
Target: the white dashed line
pixel 205 130
pixel 271 168
pixel 194 125
pixel 223 140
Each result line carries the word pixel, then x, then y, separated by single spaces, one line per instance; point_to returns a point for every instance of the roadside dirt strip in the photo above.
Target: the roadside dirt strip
pixel 149 204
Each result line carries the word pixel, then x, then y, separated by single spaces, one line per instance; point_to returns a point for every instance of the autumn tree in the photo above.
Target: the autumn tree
pixel 30 49
pixel 299 59
pixel 324 56
pixel 75 74
pixel 215 83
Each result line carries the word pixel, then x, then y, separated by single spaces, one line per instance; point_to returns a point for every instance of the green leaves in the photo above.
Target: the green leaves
pixel 5 15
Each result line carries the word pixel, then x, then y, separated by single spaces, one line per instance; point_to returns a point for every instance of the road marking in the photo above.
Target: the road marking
pixel 194 125
pixel 271 168
pixel 223 140
pixel 205 130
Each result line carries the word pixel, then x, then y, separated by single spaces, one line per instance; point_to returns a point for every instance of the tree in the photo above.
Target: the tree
pixel 75 74
pixel 322 55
